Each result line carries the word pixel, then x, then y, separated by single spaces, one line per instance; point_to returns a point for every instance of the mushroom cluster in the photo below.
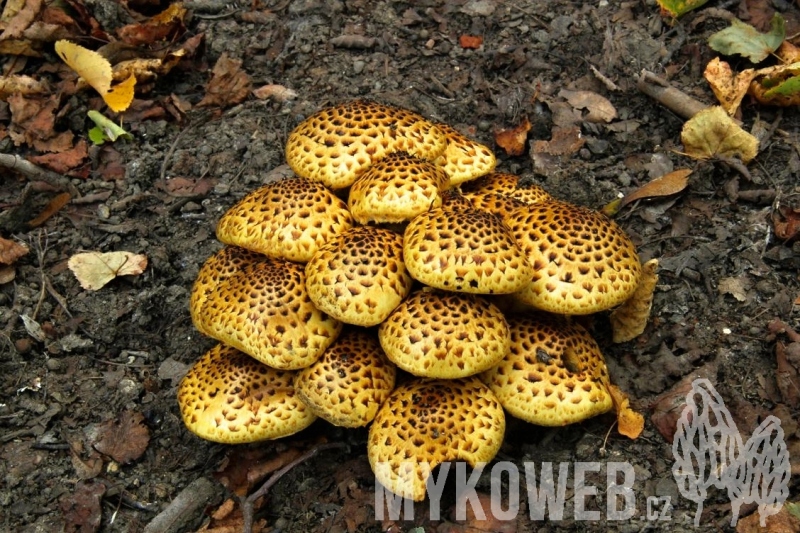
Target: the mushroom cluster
pixel 430 301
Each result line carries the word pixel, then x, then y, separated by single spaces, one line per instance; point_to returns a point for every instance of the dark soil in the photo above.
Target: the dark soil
pixel 723 274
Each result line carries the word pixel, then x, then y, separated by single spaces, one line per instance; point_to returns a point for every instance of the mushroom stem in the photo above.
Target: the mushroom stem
pixel 248 502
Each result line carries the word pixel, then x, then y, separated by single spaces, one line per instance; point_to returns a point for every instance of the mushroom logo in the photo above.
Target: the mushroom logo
pixel 709 451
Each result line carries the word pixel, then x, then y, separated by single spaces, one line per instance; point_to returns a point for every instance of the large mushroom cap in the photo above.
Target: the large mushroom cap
pixel 583 262
pixel 429 422
pixel 336 144
pixel 263 309
pixel 554 374
pixel 464 250
pixel 395 189
pixel 464 159
pixel 359 277
pixel 229 397
pixel 351 380
pixel 497 204
pixel 445 335
pixel 289 219
pixel 506 184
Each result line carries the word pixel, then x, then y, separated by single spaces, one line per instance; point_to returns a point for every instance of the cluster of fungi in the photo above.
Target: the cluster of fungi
pixel 400 281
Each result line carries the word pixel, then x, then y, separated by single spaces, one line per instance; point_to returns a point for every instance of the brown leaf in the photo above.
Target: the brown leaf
pixel 600 108
pixel 94 269
pixel 279 93
pixel 10 251
pixel 34 116
pixel 124 440
pixel 65 161
pixel 564 141
pixel 666 185
pixel 470 41
pixel 781 522
pixel 21 20
pixel 51 209
pixel 787 375
pixel 245 468
pixel 729 88
pixel 7 274
pixel 165 25
pixel 629 422
pixel 22 85
pixel 513 140
pixel 229 84
pixel 786 222
pixel 187 187
pixel 81 509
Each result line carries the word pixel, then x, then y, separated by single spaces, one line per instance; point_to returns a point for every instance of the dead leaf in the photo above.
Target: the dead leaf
pixel 279 93
pixel 787 375
pixel 470 41
pixel 11 251
pixel 666 185
pixel 51 209
pixel 564 141
pixel 95 269
pixel 629 422
pixel 600 108
pixel 7 274
pixel 82 509
pixel 187 187
pixel 629 320
pixel 786 223
pixel 735 286
pixel 729 88
pixel 96 71
pixel 65 161
pixel 166 25
pixel 21 85
pixel 711 133
pixel 124 440
pixel 742 39
pixel 781 522
pixel 676 8
pixel 229 84
pixel 34 118
pixel 788 53
pixel 778 85
pixel 513 140
pixel 21 20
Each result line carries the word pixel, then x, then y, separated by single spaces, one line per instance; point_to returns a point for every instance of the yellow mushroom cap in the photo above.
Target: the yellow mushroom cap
pixel 445 335
pixel 554 374
pixel 261 307
pixel 351 380
pixel 583 262
pixel 288 219
pixel 496 204
pixel 506 184
pixel 464 250
pixel 452 199
pixel 428 422
pixel 464 159
pixel 336 144
pixel 359 277
pixel 229 397
pixel 395 189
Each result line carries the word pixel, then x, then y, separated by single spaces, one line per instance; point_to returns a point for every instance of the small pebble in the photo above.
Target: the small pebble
pixel 24 345
pixel 191 207
pixel 54 365
pixel 358 66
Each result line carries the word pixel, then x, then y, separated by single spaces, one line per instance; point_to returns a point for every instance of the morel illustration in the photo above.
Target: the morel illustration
pixel 709 451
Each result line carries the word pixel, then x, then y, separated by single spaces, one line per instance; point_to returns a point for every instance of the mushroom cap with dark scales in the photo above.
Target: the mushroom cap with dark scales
pixel 554 374
pixel 453 199
pixel 351 380
pixel 494 203
pixel 428 422
pixel 464 159
pixel 506 184
pixel 583 262
pixel 464 250
pixel 288 219
pixel 264 310
pixel 446 335
pixel 359 277
pixel 227 396
pixel 336 144
pixel 395 189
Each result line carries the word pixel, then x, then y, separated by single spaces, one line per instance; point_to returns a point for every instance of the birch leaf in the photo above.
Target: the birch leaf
pixel 711 133
pixel 95 269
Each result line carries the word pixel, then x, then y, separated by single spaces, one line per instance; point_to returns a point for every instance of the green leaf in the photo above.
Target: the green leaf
pixel 97 136
pixel 676 8
pixel 110 129
pixel 744 40
pixel 789 87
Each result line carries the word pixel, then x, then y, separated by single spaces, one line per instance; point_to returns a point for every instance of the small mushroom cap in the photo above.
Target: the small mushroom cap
pixel 351 380
pixel 465 251
pixel 464 159
pixel 396 189
pixel 428 422
pixel 496 204
pixel 227 396
pixel 359 277
pixel 507 184
pixel 263 309
pixel 553 375
pixel 583 262
pixel 289 219
pixel 336 144
pixel 452 199
pixel 445 335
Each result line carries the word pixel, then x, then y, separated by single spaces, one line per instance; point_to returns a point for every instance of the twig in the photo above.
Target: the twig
pixel 33 172
pixel 248 503
pixel 673 99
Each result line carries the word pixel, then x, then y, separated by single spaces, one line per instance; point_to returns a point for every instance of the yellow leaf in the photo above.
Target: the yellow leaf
pixel 729 88
pixel 91 66
pixel 629 422
pixel 676 8
pixel 121 95
pixel 711 133
pixel 666 185
pixel 95 269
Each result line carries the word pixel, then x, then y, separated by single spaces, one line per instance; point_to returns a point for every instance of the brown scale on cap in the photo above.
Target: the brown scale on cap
pixel 506 184
pixel 445 335
pixel 229 397
pixel 396 189
pixel 464 159
pixel 554 374
pixel 351 380
pixel 428 422
pixel 583 262
pixel 465 251
pixel 288 219
pixel 262 308
pixel 336 144
pixel 359 276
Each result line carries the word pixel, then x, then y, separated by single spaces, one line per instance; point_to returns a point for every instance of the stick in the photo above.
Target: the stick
pixel 673 99
pixel 33 172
